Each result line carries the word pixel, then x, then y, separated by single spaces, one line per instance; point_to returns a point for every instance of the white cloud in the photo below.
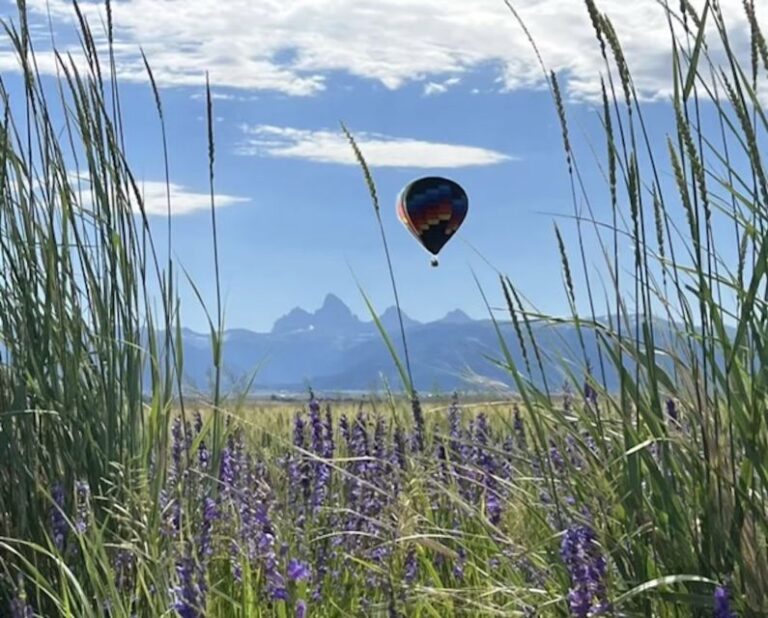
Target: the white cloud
pixel 379 150
pixel 432 88
pixel 183 201
pixel 155 197
pixel 292 47
pixel 215 96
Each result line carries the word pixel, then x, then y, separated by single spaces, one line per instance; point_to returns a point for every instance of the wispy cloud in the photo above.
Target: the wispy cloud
pixel 183 201
pixel 217 96
pixel 292 47
pixel 155 197
pixel 326 146
pixel 432 88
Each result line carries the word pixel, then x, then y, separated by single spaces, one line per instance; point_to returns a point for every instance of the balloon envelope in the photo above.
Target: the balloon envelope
pixel 432 208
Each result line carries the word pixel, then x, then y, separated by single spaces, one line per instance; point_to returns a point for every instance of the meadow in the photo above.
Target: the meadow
pixel 122 496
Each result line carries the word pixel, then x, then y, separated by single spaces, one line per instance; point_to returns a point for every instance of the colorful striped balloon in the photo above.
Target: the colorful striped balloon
pixel 432 209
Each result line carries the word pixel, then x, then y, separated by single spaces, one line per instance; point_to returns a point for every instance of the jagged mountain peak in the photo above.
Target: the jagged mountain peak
pixel 331 301
pixel 335 317
pixel 457 316
pixel 332 317
pixel 334 308
pixel 389 319
pixel 330 348
pixel 296 320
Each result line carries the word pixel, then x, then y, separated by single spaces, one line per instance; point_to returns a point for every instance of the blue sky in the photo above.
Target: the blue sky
pixel 449 88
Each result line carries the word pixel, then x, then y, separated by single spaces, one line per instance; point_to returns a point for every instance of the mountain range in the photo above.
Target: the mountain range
pixel 333 350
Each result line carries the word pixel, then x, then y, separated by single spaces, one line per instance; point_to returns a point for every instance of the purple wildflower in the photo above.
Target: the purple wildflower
pixel 399 450
pixel 235 561
pixel 322 471
pixel 344 428
pixel 228 466
pixel 482 429
pixel 418 423
pixel 58 523
pixel 20 608
pixel 317 427
pixel 188 601
pixel 253 518
pixel 298 571
pixel 722 603
pixel 321 569
pixel 301 470
pixel 672 411
pixel 205 541
pixel 587 568
pixel 258 535
pixel 589 442
pixel 572 448
pixel 83 501
pixel 298 479
pixel 328 427
pixel 379 433
pixel 458 566
pixel 359 438
pixel 356 490
pixel 177 448
pixel 442 456
pixel 411 567
pixel 483 458
pixel 175 517
pixel 378 468
pixel 492 505
pixel 123 566
pixel 300 609
pixel 485 461
pixel 275 581
pixel 203 456
pixel 558 463
pixel 454 422
pixel 298 431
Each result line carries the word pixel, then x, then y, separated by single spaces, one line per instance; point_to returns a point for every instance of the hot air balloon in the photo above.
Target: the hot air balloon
pixel 432 209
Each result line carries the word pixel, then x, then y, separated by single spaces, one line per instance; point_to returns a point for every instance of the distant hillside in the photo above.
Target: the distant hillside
pixel 331 349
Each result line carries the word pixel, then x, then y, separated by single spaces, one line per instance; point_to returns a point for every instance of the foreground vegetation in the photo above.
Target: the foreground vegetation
pixel 118 499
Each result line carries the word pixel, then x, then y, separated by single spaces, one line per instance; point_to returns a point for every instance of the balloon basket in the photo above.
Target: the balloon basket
pixel 434 263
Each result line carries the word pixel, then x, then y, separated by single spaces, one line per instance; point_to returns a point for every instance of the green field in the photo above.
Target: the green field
pixel 121 497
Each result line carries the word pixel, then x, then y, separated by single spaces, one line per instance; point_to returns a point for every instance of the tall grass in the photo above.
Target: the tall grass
pixel 682 441
pixel 75 311
pixel 647 500
pixel 86 387
pixel 684 504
